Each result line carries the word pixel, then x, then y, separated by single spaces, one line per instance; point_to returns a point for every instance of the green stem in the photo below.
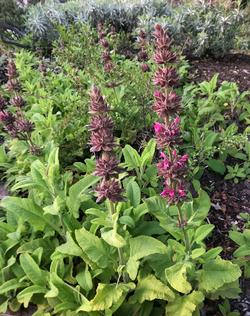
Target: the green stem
pixel 182 224
pixel 120 253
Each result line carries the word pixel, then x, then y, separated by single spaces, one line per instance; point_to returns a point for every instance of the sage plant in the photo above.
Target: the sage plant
pixel 142 54
pixel 15 124
pixel 102 144
pixel 106 57
pixel 172 166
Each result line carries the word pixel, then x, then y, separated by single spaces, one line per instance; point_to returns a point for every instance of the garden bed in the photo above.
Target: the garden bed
pixel 233 67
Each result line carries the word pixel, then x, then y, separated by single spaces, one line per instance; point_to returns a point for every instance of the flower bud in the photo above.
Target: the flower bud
pixel 17 101
pixel 3 103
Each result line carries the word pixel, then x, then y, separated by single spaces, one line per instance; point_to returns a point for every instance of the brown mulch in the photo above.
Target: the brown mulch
pixel 234 67
pixel 228 201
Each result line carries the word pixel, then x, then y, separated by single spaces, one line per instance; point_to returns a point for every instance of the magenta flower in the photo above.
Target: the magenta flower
pixel 145 67
pixel 109 189
pixel 165 77
pixel 143 55
pixel 167 135
pixel 13 85
pixel 11 130
pixel 3 103
pixel 107 166
pixel 166 103
pixel 174 195
pixel 106 56
pixel 104 43
pixel 17 101
pixel 24 126
pixel 172 167
pixel 98 104
pixel 100 122
pixel 102 140
pixel 163 56
pixel 11 69
pixel 108 67
pixel 7 118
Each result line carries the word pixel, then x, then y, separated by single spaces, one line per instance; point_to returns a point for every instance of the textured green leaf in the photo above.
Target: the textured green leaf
pixel 202 232
pixel 185 305
pixel 113 238
pixel 141 247
pixel 47 244
pixel 148 153
pixel 93 247
pixel 84 278
pixel 30 212
pixel 177 277
pixel 65 293
pixel 77 191
pixel 25 295
pixel 133 193
pixel 228 290
pixel 70 248
pixel 32 270
pixel 150 289
pixel 10 285
pixel 131 157
pixel 216 273
pixel 217 166
pixel 106 296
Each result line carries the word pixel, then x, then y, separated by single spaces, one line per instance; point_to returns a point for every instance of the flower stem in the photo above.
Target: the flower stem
pixel 182 224
pixel 119 250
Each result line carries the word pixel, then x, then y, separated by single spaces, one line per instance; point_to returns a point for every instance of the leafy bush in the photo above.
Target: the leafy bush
pixel 209 112
pixel 93 235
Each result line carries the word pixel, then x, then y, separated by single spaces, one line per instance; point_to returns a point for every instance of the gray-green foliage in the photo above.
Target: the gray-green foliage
pixel 42 17
pixel 198 28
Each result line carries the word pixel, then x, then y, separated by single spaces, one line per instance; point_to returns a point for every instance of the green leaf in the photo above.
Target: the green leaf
pixel 93 247
pixel 237 237
pixel 133 193
pixel 211 254
pixel 141 247
pixel 196 253
pixel 3 155
pixel 77 192
pixel 11 285
pixel 106 296
pixel 185 305
pixel 202 232
pixel 216 273
pixel 25 295
pixel 113 238
pixel 201 205
pixel 131 157
pixel 177 277
pixel 70 248
pixel 210 139
pixel 65 293
pixel 30 212
pixel 47 244
pixel 148 153
pixel 217 166
pixel 242 251
pixel 228 290
pixel 32 270
pixel 84 279
pixel 150 289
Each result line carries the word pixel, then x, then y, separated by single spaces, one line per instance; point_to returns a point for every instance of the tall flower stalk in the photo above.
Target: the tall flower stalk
pixel 172 166
pixel 102 145
pixel 15 124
